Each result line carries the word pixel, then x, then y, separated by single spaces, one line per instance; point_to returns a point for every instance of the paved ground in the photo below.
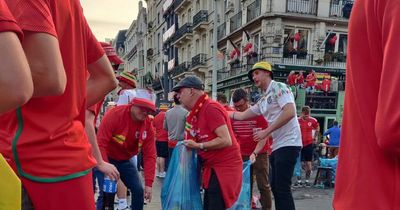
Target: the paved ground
pixel 305 198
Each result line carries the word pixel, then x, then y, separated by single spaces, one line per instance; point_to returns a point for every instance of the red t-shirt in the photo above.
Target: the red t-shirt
pixel 310 80
pixel 96 110
pixel 51 144
pixel 368 174
pixel 300 79
pixel 292 79
pixel 7 21
pixel 120 138
pixel 243 130
pixel 307 126
pixel 326 85
pixel 161 133
pixel 226 162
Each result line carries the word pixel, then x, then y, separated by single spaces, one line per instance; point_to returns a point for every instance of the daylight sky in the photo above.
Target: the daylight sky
pixel 107 17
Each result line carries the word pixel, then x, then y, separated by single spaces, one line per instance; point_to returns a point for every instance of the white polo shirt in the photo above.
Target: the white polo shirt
pixel 270 106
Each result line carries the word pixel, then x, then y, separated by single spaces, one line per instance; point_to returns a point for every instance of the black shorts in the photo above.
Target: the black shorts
pixel 307 153
pixel 162 149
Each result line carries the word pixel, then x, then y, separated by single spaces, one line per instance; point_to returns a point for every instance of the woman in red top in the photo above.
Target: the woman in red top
pixel 210 131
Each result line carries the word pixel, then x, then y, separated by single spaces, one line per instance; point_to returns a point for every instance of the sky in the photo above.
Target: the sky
pixel 107 17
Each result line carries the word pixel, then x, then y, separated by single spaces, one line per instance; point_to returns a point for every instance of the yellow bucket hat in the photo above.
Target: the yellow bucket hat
pixel 262 65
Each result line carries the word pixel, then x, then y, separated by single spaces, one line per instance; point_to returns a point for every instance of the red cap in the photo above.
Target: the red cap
pixel 144 103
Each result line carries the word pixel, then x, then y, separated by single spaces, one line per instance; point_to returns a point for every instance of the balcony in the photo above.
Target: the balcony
pixel 253 10
pixel 183 34
pixel 198 61
pixel 167 5
pixel 221 31
pixel 169 33
pixel 180 69
pixel 306 7
pixel 180 5
pixel 340 8
pixel 200 20
pixel 236 21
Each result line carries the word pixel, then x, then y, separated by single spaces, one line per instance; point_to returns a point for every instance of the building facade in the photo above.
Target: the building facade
pixel 156 27
pixel 135 47
pixel 293 35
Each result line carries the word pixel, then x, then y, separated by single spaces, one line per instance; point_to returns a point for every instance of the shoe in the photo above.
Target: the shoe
pixel 307 184
pixel 298 184
pixel 157 174
pixel 126 208
pixel 162 174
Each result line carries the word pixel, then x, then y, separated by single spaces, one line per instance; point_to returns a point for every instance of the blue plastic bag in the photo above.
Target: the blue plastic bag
pixel 181 187
pixel 243 202
pixel 330 163
pixel 297 167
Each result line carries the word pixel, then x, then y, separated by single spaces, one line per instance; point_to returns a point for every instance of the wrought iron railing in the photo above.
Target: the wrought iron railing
pixel 201 16
pixel 181 68
pixel 186 28
pixel 199 59
pixel 308 7
pixel 337 7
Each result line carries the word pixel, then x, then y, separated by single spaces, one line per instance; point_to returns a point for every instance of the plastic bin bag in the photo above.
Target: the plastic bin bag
pixel 10 185
pixel 330 163
pixel 244 200
pixel 297 167
pixel 181 188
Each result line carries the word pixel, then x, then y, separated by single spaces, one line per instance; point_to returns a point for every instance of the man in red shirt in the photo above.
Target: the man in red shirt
pixel 221 98
pixel 161 143
pixel 309 127
pixel 291 79
pixel 209 130
pixel 300 79
pixel 310 82
pixel 60 48
pixel 326 85
pixel 368 170
pixel 257 152
pixel 123 132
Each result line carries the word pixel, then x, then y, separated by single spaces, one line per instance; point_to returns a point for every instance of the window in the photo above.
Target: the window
pixel 158 19
pixel 295 43
pixel 336 47
pixel 158 42
pixel 189 18
pixel 197 46
pixel 183 54
pixel 204 43
pixel 189 53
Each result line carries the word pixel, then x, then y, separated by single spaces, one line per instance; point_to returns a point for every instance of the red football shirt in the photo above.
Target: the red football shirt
pixel 226 162
pixel 292 79
pixel 120 138
pixel 368 174
pixel 7 21
pixel 307 126
pixel 326 85
pixel 51 144
pixel 310 80
pixel 243 130
pixel 161 133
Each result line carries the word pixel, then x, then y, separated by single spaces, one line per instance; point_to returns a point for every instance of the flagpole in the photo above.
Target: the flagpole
pixel 215 51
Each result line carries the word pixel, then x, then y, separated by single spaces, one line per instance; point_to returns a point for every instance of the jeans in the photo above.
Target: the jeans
pixel 100 178
pixel 282 163
pixel 130 177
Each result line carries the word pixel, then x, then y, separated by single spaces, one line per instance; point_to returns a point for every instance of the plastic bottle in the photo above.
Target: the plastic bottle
pixel 109 190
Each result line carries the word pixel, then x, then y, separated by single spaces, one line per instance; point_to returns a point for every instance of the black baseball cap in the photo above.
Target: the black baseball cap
pixel 189 82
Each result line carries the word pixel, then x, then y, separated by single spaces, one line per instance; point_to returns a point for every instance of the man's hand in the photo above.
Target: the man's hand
pixel 191 144
pixel 260 135
pixel 147 193
pixel 252 158
pixel 108 170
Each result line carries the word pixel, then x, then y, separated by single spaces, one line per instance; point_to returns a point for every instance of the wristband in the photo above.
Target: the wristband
pixel 255 154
